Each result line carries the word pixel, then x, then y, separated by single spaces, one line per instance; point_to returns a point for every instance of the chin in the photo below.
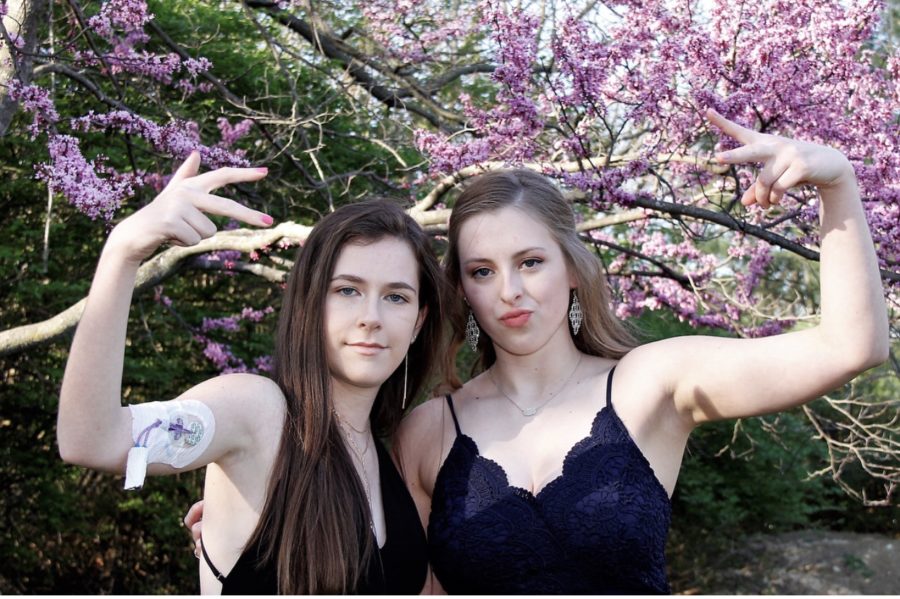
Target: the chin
pixel 367 379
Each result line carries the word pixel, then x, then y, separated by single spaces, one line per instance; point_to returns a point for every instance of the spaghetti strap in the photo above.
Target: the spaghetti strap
pixel 609 387
pixel 209 563
pixel 453 413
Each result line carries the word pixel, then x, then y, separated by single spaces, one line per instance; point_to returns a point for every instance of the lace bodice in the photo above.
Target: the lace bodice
pixel 599 527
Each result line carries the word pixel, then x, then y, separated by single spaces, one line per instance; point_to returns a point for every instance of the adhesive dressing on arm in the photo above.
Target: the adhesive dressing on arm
pixel 167 432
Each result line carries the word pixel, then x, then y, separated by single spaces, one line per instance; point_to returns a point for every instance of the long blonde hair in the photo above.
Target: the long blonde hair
pixel 601 333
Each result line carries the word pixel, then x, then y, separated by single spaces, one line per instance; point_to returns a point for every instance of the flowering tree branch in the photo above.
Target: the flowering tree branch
pixel 151 273
pixel 414 98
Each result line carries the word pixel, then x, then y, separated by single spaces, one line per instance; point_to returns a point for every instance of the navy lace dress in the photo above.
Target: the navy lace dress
pixel 598 528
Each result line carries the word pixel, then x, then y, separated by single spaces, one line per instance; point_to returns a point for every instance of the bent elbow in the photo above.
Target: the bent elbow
pixel 70 451
pixel 68 455
pixel 75 448
pixel 881 353
pixel 875 354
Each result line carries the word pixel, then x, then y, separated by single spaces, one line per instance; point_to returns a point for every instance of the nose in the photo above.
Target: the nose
pixel 512 287
pixel 370 314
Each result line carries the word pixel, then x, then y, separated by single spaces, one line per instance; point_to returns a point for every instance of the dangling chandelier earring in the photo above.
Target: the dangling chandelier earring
pixel 576 316
pixel 472 331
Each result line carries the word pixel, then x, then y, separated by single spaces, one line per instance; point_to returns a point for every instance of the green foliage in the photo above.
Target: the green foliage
pixel 751 476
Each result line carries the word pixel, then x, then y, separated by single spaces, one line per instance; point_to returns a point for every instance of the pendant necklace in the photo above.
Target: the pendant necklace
pixel 528 412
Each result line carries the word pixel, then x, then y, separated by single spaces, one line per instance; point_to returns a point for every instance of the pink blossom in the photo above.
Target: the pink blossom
pixel 37 101
pixel 178 138
pixel 77 178
pixel 230 134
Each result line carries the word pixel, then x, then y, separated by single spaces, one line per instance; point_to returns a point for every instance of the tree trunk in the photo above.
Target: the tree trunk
pixel 23 20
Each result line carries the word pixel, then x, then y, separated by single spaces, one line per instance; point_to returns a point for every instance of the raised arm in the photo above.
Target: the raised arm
pixel 716 378
pixel 94 429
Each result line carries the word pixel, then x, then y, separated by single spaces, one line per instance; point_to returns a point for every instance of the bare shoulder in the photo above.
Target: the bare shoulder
pixel 419 436
pixel 423 421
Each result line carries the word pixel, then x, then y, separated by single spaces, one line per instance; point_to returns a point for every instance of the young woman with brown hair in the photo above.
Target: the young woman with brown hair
pixel 301 496
pixel 545 474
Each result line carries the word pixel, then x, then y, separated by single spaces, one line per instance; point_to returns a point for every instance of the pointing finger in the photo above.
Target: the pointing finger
pixel 227 175
pixel 214 204
pixel 738 132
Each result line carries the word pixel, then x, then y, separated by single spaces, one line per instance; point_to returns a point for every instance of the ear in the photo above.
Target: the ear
pixel 420 320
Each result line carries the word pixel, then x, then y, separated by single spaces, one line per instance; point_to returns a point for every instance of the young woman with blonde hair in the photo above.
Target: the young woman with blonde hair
pixel 552 470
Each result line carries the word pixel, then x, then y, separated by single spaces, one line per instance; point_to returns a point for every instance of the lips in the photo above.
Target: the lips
pixel 516 318
pixel 367 349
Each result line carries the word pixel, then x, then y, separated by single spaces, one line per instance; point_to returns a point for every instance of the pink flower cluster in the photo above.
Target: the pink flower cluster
pixel 128 16
pixel 409 29
pixel 631 80
pixel 232 133
pixel 220 353
pixel 178 138
pixel 232 323
pixel 508 129
pixel 121 24
pixel 37 101
pixel 77 178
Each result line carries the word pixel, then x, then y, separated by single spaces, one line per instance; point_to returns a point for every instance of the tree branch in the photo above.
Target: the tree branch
pixel 152 272
pixel 333 47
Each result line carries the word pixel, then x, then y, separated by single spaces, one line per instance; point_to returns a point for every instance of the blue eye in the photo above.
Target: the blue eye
pixel 396 298
pixel 347 291
pixel 531 262
pixel 480 273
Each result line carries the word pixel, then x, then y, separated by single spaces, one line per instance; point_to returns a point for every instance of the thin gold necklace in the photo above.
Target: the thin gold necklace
pixel 529 412
pixel 346 425
pixel 359 457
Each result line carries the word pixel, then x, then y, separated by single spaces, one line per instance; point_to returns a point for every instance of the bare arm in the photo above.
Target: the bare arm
pixel 714 378
pixel 94 429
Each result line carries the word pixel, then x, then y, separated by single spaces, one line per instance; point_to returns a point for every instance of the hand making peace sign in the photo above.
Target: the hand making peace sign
pixel 786 162
pixel 177 216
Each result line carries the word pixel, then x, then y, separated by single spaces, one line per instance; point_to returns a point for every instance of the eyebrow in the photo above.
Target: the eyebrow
pixel 361 281
pixel 518 254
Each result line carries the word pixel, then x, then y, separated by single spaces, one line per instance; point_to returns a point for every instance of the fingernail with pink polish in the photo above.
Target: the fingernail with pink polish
pixel 262 170
pixel 266 219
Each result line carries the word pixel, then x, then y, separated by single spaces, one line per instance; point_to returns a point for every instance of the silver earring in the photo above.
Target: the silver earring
pixel 576 316
pixel 472 331
pixel 405 376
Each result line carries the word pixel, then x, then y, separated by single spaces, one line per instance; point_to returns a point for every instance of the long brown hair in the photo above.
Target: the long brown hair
pixel 315 523
pixel 602 333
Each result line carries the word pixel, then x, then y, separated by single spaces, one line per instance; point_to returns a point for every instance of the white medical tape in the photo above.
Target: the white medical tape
pixel 167 432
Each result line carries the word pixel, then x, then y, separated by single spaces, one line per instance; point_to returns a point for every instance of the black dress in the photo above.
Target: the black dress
pixel 398 568
pixel 600 527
